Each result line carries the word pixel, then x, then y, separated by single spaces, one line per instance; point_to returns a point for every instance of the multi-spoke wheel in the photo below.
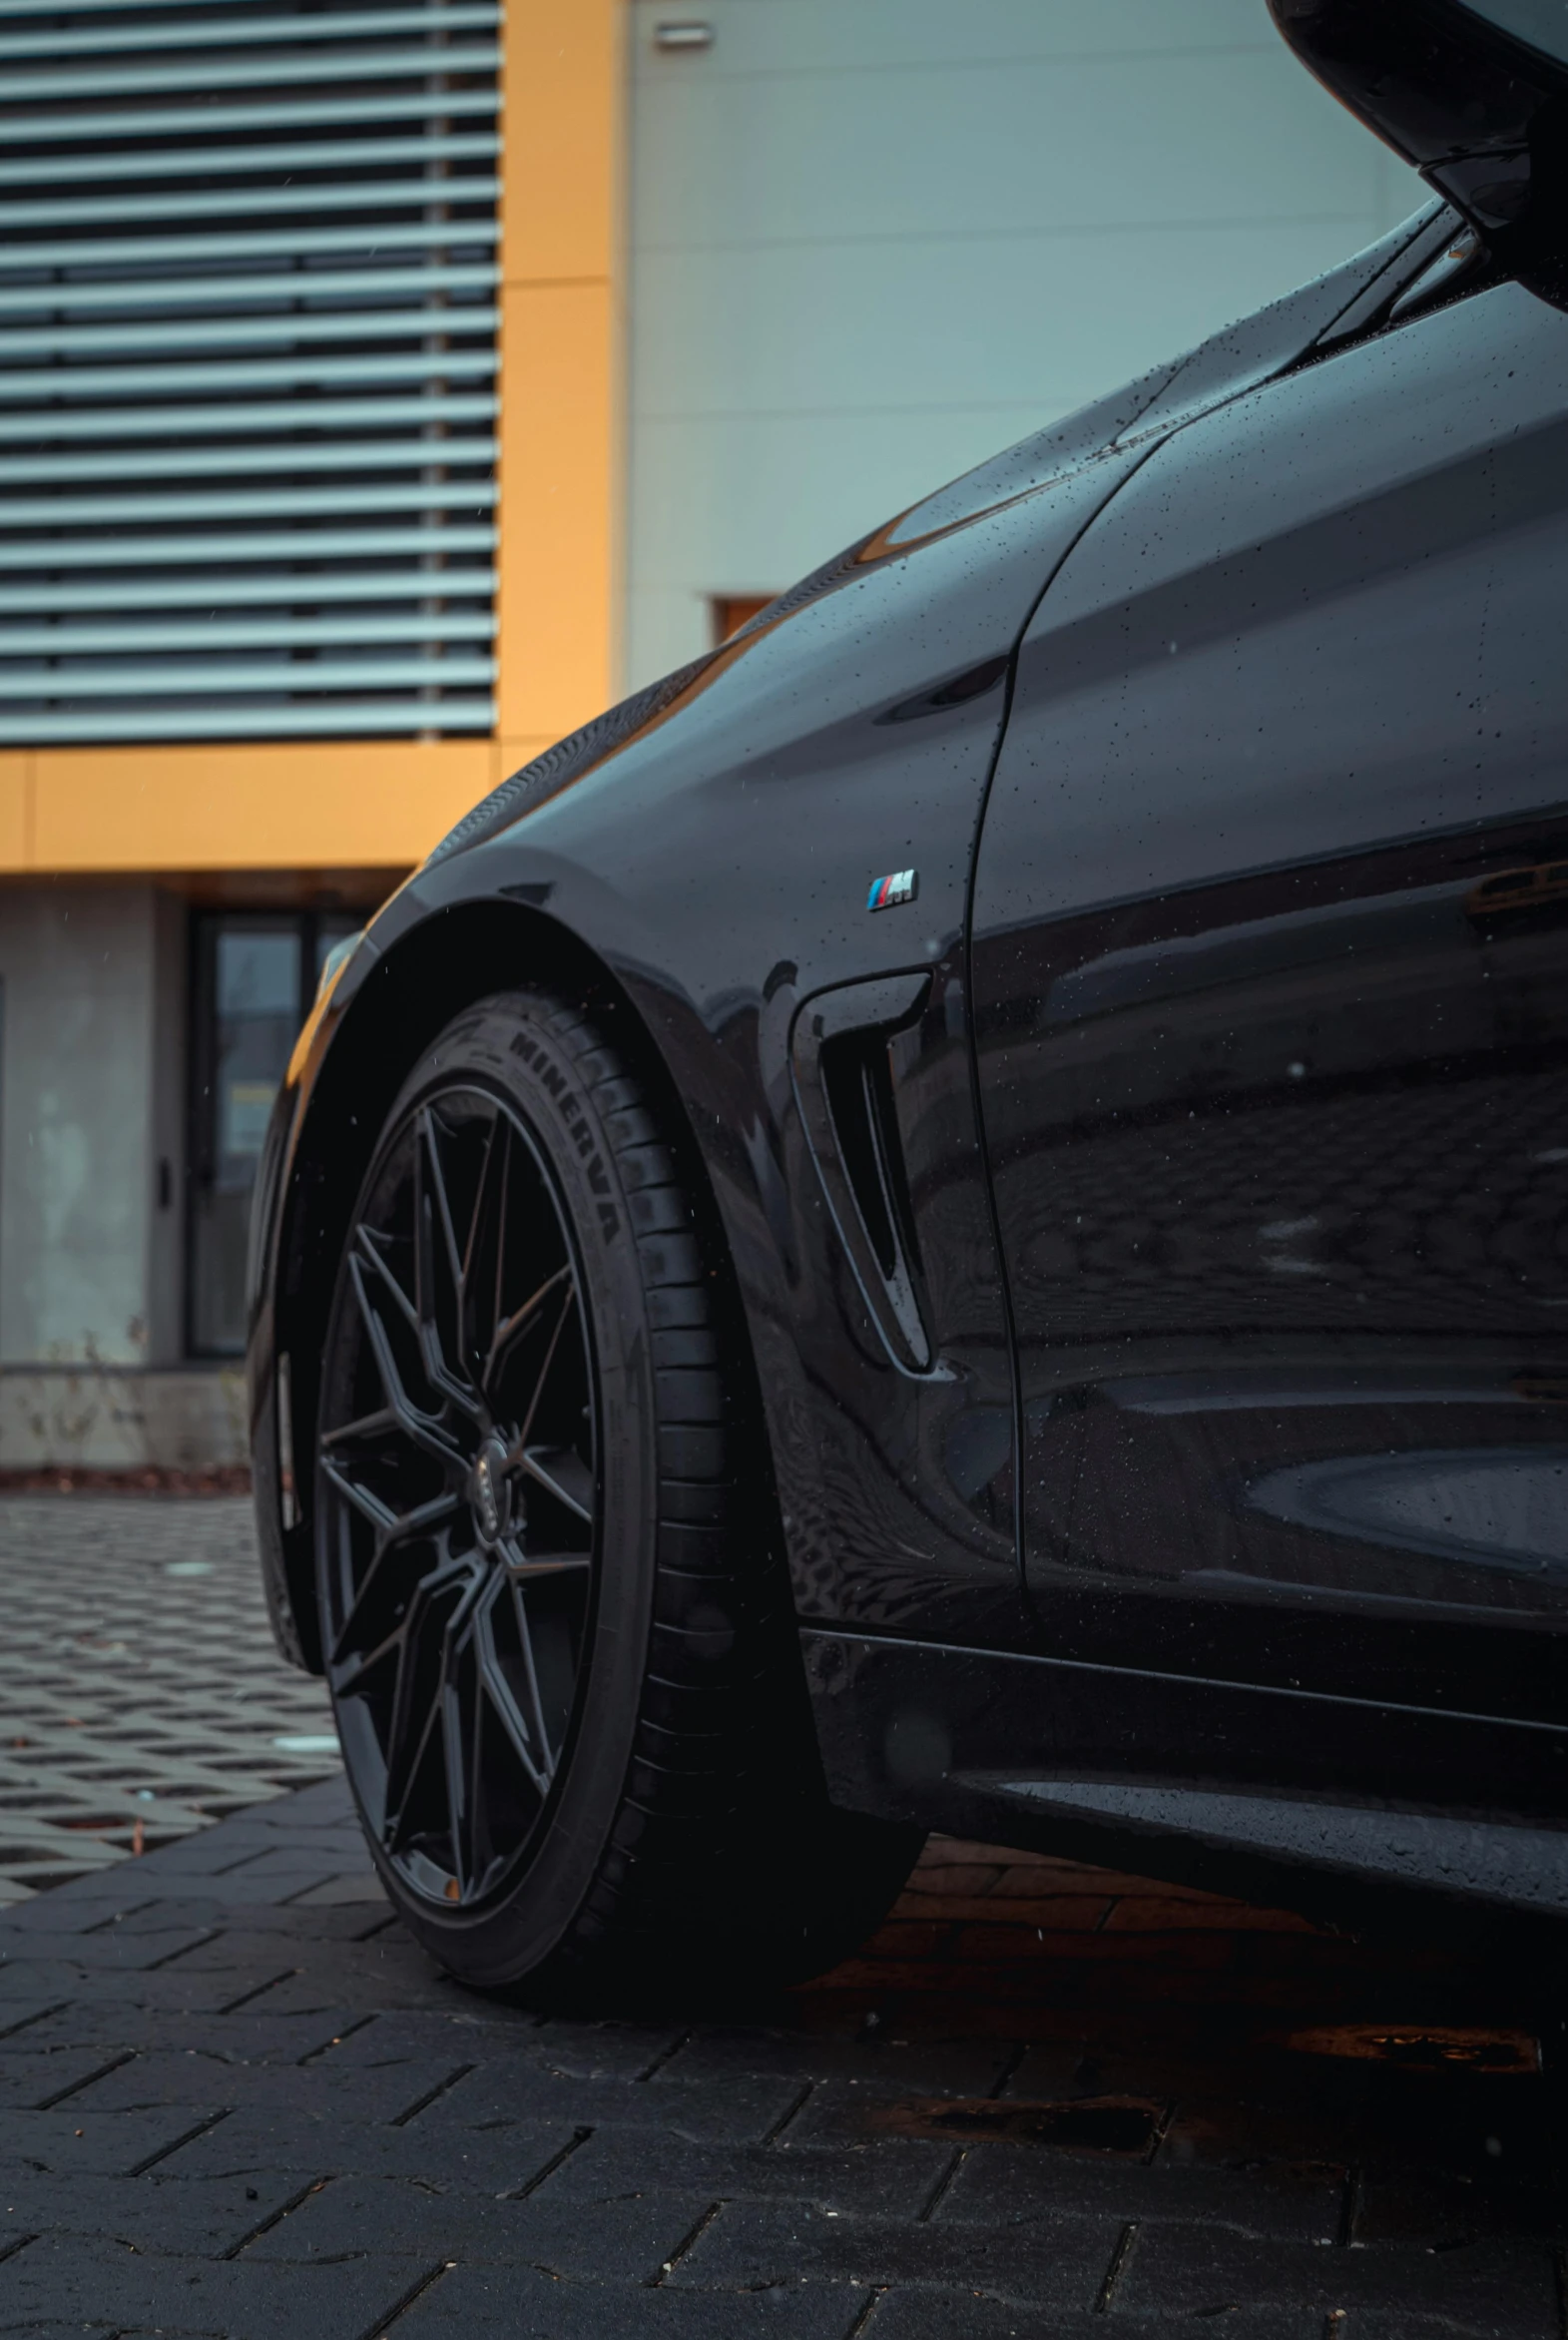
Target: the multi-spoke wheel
pixel 459 1453
pixel 554 1620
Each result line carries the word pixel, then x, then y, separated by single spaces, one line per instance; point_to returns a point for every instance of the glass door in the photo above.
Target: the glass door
pixel 255 975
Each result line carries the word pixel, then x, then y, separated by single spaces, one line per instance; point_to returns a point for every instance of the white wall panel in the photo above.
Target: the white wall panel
pixel 1066 142
pixel 1013 329
pixel 874 240
pixel 848 35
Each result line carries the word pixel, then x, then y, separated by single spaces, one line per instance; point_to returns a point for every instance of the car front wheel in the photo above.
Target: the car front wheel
pixel 557 1623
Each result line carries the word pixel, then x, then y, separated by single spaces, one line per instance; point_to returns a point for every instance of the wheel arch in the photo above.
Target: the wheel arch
pixel 426 977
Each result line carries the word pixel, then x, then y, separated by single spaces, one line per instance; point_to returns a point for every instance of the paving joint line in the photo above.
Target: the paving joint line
pixel 233 2005
pixel 938 2191
pixel 325 1878
pixel 668 2055
pixel 118 1916
pixel 276 2217
pixel 1125 2243
pixel 654 2282
pixel 865 2314
pixel 256 1853
pixel 521 2193
pixel 349 2032
pixel 423 2103
pixel 799 2105
pixel 383 2324
pixel 75 2087
pixel 209 1934
pixel 39 2016
pixel 203 2126
pixel 380 1925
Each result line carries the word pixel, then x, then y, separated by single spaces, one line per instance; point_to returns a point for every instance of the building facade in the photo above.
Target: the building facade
pixel 385 388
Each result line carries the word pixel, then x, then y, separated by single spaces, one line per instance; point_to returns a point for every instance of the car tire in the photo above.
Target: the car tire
pixel 554 1606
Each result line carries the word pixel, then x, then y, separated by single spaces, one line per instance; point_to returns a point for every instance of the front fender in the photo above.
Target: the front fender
pixel 705 878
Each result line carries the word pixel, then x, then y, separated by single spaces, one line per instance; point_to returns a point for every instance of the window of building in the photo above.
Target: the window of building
pixel 250 324
pixel 731 611
pixel 254 976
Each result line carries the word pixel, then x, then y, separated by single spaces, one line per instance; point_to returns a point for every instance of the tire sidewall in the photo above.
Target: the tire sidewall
pixel 516 1047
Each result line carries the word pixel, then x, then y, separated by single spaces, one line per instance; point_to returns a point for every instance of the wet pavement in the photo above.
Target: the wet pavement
pixel 234 2100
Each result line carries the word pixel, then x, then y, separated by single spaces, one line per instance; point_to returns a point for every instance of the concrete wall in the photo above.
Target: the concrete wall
pixel 121 1418
pixel 873 240
pixel 90 1101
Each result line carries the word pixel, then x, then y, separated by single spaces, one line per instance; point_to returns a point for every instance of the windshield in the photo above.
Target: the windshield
pixel 1541 23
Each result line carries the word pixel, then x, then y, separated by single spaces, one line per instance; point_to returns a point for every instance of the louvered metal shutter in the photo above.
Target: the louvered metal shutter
pixel 248 370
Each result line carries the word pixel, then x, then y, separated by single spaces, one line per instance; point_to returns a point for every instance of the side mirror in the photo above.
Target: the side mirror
pixel 1474 93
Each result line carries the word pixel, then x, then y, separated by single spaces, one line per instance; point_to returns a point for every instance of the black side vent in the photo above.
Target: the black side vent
pixel 844 1074
pixel 859 1084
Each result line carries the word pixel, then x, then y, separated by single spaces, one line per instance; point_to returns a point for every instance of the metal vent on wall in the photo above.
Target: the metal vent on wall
pixel 248 370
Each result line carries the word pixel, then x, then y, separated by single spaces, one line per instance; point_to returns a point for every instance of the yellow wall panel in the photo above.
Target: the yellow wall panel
pixel 560 472
pixel 16 811
pixel 361 804
pixel 355 804
pixel 561 166
pixel 557 560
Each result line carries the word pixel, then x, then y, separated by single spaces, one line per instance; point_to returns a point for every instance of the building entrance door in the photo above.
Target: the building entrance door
pixel 254 975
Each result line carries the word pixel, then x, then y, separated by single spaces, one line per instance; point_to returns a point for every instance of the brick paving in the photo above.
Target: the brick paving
pixel 139 1695
pixel 234 2100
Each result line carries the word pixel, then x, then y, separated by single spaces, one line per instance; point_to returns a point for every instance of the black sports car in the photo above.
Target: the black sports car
pixel 956 1214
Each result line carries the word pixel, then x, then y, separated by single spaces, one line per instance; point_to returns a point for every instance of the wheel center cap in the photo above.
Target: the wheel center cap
pixel 490 1491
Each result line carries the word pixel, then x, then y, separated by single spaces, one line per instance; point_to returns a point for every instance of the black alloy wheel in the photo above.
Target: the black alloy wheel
pixel 459 1580
pixel 558 1632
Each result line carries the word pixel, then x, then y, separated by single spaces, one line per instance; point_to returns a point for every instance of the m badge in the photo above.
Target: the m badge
pixel 887 893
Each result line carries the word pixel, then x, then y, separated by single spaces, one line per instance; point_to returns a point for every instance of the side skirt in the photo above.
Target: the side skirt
pixel 1256 1793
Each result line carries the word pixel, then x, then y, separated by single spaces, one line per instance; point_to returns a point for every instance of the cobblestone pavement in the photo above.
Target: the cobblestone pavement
pixel 140 1694
pixel 1045 2100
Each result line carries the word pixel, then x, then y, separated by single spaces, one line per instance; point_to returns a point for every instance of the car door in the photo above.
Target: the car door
pixel 1269 957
